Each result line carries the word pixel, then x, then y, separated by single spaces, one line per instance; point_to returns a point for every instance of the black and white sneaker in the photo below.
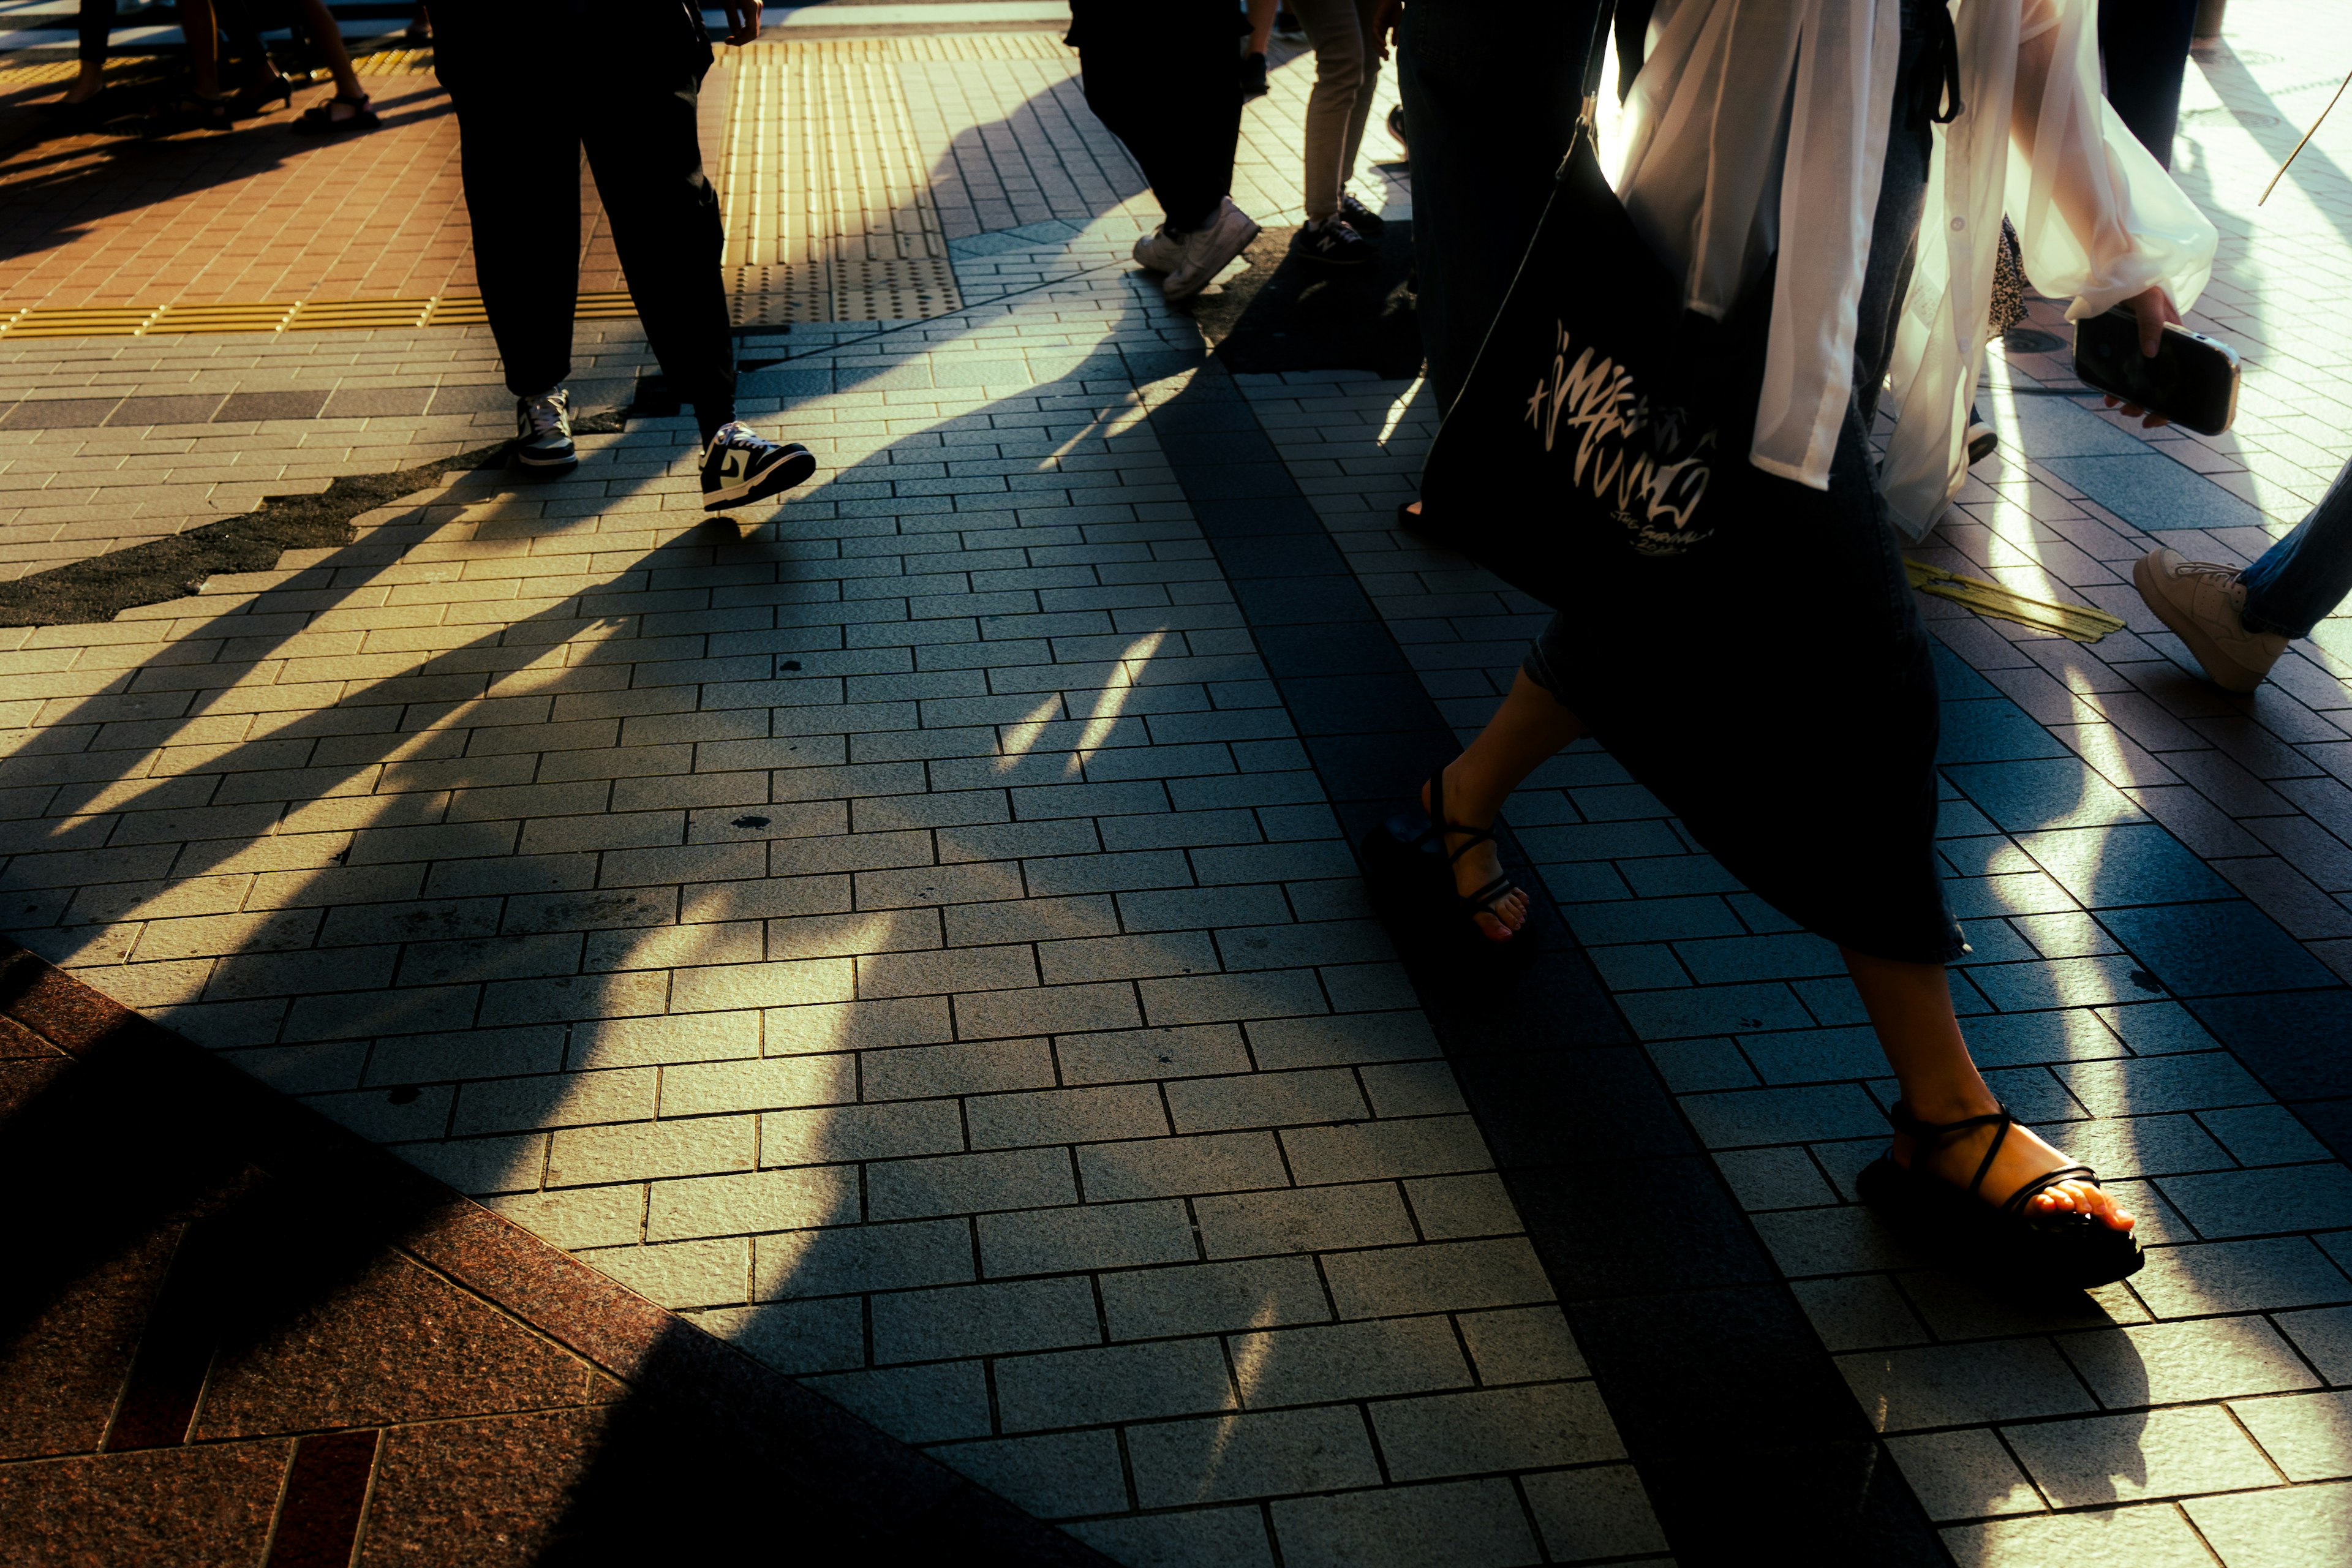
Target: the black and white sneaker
pixel 543 431
pixel 1334 243
pixel 740 467
pixel 1359 217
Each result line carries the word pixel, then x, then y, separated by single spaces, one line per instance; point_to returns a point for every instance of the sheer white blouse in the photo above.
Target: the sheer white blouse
pixel 1724 163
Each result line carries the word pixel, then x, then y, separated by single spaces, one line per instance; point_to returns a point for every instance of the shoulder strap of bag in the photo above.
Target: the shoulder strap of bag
pixel 1596 60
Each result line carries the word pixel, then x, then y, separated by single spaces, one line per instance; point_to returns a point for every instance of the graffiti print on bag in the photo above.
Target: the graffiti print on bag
pixel 1647 464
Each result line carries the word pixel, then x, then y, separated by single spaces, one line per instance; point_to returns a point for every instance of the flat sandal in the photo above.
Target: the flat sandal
pixel 2054 1248
pixel 1472 904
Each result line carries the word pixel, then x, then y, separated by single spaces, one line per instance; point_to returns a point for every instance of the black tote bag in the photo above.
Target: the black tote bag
pixel 1745 646
pixel 1601 425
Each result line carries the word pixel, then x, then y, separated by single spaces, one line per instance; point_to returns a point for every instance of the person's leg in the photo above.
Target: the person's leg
pixel 1367 89
pixel 2146 48
pixel 1338 39
pixel 526 229
pixel 2300 580
pixel 1489 125
pixel 1910 1007
pixel 1526 731
pixel 646 154
pixel 349 96
pixel 96 30
pixel 1161 81
pixel 202 30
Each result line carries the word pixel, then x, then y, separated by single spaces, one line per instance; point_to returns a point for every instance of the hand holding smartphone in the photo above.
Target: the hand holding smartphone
pixel 2191 379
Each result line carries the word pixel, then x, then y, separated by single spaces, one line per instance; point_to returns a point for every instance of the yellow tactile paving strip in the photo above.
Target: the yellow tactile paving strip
pixel 826 193
pixel 279 316
pixel 125 67
pixel 824 181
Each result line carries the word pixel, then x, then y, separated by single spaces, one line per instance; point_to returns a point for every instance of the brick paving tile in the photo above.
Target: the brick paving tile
pixel 252 1335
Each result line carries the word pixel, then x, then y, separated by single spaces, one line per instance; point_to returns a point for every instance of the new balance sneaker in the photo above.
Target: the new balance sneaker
pixel 2205 606
pixel 1334 243
pixel 1160 250
pixel 1207 250
pixel 543 431
pixel 1359 217
pixel 739 466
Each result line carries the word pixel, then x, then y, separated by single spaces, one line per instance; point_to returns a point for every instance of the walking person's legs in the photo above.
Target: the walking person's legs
pixel 350 107
pixel 645 149
pixel 1367 91
pixel 2145 46
pixel 95 30
pixel 2237 624
pixel 1161 79
pixel 647 156
pixel 525 230
pixel 1953 1139
pixel 2299 581
pixel 1337 30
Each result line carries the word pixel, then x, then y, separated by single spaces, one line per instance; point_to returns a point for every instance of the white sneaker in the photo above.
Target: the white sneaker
pixel 1207 250
pixel 2203 604
pixel 1160 250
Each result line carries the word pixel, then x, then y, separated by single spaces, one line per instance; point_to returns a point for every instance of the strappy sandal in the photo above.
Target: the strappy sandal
pixel 1430 841
pixel 2058 1248
pixel 319 119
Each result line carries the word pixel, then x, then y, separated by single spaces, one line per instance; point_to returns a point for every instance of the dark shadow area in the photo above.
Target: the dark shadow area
pixel 240 1277
pixel 1741 1426
pixel 1290 313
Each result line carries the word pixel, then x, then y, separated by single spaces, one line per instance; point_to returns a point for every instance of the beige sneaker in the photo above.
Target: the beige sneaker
pixel 2202 603
pixel 1206 252
pixel 1160 250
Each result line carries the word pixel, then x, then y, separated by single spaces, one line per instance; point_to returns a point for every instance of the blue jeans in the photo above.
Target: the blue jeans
pixel 2304 576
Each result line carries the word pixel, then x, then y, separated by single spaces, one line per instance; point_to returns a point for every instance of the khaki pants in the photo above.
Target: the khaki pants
pixel 1347 70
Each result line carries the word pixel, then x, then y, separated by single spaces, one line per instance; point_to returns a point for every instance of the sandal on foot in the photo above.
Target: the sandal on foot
pixel 319 120
pixel 2059 1248
pixel 1408 520
pixel 1430 841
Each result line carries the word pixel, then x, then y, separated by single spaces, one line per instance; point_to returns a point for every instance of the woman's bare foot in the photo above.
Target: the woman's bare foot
pixel 2022 1157
pixel 87 84
pixel 1477 866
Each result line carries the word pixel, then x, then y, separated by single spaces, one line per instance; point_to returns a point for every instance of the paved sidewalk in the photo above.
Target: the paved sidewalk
pixel 914 933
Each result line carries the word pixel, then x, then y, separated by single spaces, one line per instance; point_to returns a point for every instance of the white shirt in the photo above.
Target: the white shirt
pixel 1722 166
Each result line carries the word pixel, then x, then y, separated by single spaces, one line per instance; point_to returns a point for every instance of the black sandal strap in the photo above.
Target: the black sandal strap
pixel 2016 1202
pixel 1899 1116
pixel 1484 900
pixel 1473 837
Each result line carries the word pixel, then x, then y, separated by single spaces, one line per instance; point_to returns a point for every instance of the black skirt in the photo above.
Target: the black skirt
pixel 1776 691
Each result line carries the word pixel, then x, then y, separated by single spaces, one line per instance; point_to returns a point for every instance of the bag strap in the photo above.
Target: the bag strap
pixel 1596 59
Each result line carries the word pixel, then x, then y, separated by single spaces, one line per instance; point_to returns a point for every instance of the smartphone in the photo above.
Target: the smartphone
pixel 2192 381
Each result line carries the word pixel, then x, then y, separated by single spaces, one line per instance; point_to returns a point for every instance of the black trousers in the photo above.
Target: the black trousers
pixel 2146 47
pixel 97 26
pixel 1165 79
pixel 622 84
pixel 1491 91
